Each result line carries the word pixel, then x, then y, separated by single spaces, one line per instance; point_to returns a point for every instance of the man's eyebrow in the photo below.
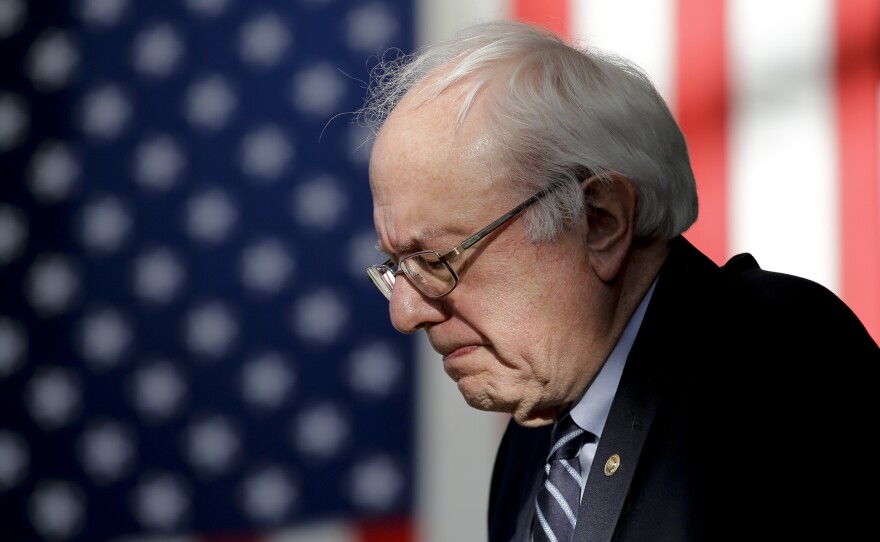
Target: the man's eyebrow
pixel 422 240
pixel 398 249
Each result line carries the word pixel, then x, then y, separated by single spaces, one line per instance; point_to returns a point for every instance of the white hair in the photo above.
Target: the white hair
pixel 558 112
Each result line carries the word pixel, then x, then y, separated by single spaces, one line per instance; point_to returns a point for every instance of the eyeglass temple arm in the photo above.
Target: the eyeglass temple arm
pixel 467 243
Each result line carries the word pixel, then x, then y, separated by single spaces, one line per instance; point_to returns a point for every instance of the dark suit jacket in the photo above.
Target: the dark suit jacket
pixel 746 411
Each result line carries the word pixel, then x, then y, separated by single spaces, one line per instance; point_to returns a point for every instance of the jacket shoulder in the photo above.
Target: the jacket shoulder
pixel 797 308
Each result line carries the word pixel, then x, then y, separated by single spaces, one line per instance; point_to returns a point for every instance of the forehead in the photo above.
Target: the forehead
pixel 430 177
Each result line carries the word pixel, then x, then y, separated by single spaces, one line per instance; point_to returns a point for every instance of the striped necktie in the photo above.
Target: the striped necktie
pixel 556 505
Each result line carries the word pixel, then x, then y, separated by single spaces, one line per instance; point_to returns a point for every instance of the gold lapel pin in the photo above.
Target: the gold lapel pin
pixel 612 465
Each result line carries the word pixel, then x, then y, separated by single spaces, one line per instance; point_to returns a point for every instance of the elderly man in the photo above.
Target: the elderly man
pixel 531 198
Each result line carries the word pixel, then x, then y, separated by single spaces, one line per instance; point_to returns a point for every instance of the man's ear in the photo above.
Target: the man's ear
pixel 611 212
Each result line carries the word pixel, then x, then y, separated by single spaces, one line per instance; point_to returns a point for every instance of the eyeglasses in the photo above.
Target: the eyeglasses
pixel 428 270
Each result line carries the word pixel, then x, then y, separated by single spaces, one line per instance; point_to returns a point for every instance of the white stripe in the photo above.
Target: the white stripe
pixel 330 531
pixel 544 525
pixel 560 499
pixel 641 30
pixel 437 21
pixel 571 471
pixel 456 451
pixel 783 165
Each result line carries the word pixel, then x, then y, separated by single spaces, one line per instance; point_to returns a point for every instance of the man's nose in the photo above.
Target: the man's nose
pixel 410 309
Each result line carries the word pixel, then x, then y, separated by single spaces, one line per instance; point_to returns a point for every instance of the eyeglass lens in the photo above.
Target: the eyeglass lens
pixel 383 278
pixel 428 273
pixel 425 270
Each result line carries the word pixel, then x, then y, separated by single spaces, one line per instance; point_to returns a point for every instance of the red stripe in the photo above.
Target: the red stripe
pixel 857 85
pixel 387 530
pixel 702 112
pixel 550 13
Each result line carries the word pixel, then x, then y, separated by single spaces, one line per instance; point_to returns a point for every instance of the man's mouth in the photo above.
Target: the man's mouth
pixel 461 351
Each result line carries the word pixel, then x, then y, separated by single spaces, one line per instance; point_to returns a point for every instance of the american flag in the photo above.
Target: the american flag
pixel 188 346
pixel 188 340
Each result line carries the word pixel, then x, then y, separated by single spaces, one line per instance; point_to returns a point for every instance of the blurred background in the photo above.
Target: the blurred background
pixel 189 346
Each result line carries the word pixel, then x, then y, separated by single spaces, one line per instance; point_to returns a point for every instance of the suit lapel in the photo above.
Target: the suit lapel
pixel 616 458
pixel 637 399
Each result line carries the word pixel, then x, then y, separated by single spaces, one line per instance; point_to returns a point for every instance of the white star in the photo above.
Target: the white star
pixel 14 460
pixel 212 444
pixel 376 483
pixel 160 501
pixel 208 7
pixel 209 216
pixel 56 510
pixel 265 153
pixel 361 253
pixel 319 203
pixel 13 345
pixel 370 27
pixel 263 39
pixel 317 90
pixel 319 431
pixel 12 16
pixel 13 233
pixel 319 316
pixel 13 120
pixel 53 397
pixel 51 284
pixel 157 51
pixel 105 112
pixel 103 337
pixel 158 390
pixel 266 380
pixel 52 60
pixel 210 329
pixel 102 12
pixel 374 369
pixel 209 102
pixel 268 494
pixel 104 224
pixel 265 266
pixel 158 163
pixel 107 451
pixel 53 171
pixel 158 275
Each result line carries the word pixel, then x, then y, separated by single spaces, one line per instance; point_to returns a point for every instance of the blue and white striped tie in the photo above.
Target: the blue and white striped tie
pixel 556 505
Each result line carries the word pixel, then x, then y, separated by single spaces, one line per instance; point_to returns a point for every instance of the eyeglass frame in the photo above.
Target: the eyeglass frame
pixel 375 272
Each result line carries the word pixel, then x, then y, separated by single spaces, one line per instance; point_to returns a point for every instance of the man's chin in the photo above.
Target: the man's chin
pixel 537 418
pixel 481 401
pixel 534 421
pixel 478 399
